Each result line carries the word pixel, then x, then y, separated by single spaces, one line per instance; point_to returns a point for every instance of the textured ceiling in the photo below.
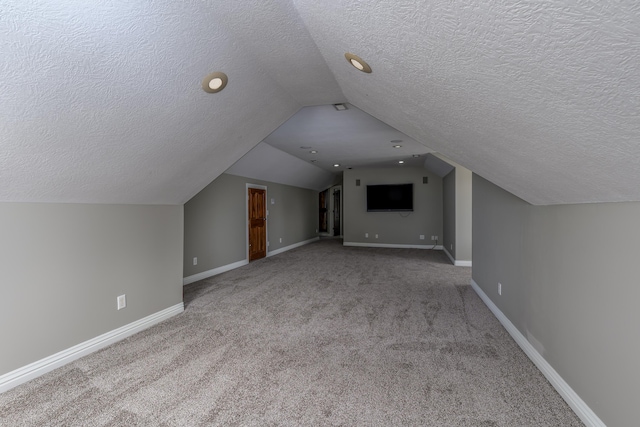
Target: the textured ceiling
pixel 541 98
pixel 101 101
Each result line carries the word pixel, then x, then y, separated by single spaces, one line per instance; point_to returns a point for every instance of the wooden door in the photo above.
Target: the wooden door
pixel 257 224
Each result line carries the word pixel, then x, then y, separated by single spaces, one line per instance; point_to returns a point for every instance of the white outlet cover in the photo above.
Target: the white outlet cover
pixel 122 302
pixel 422 237
pixel 195 260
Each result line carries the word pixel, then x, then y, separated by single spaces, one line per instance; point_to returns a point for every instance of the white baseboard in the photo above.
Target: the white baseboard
pixel 213 272
pixel 391 245
pixel 453 261
pixel 588 417
pixel 457 263
pixel 295 245
pixel 42 366
pixel 219 270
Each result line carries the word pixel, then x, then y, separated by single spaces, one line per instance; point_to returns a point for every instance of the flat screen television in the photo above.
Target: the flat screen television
pixel 390 198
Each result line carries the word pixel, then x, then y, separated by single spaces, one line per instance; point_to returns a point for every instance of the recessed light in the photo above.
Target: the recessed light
pixel 314 151
pixel 397 146
pixel 358 62
pixel 336 165
pixel 401 161
pixel 214 82
pixel 340 107
pixel 416 155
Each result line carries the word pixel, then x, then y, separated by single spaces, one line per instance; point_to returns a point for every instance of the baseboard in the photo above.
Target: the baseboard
pixel 392 245
pixel 48 364
pixel 213 272
pixel 457 263
pixel 582 410
pixel 451 258
pixel 295 245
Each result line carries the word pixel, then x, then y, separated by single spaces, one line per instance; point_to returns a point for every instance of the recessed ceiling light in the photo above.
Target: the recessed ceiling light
pixel 314 151
pixel 336 165
pixel 214 82
pixel 340 107
pixel 358 62
pixel 416 155
pixel 397 146
pixel 401 161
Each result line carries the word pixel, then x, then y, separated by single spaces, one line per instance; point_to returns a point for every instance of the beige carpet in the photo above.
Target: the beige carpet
pixel 322 335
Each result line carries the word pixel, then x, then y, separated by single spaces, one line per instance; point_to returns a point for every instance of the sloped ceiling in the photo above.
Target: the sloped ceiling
pixel 350 138
pixel 267 163
pixel 101 101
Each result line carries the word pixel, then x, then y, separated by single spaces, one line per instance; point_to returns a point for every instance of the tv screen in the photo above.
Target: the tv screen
pixel 390 198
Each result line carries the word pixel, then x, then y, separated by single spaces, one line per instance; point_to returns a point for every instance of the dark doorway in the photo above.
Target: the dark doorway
pixel 323 226
pixel 336 213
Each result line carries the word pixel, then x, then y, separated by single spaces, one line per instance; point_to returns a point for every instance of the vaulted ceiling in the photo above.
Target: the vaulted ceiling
pixel 101 101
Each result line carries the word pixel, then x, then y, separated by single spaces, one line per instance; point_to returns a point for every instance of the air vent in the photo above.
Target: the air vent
pixel 357 183
pixel 425 179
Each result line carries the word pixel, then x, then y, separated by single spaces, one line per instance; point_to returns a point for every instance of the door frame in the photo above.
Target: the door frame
pixel 332 208
pixel 246 216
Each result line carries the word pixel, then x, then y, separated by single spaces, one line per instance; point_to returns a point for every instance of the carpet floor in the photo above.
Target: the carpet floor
pixel 322 335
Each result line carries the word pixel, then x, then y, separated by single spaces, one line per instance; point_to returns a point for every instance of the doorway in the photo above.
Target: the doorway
pixel 336 213
pixel 323 216
pixel 257 222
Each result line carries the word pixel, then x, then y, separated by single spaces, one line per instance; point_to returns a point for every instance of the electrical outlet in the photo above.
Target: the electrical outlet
pixel 122 302
pixel 281 240
pixel 499 288
pixel 366 235
pixel 376 236
pixel 432 238
pixel 195 260
pixel 436 238
pixel 422 237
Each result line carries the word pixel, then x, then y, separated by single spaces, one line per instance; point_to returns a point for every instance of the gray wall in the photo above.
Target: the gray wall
pixel 464 224
pixel 401 228
pixel 570 285
pixel 215 221
pixel 63 265
pixel 457 209
pixel 449 212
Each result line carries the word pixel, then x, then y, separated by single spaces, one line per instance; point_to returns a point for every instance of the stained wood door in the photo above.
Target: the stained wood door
pixel 257 224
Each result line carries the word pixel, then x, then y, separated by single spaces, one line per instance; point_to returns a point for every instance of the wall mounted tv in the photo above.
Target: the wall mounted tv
pixel 390 198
